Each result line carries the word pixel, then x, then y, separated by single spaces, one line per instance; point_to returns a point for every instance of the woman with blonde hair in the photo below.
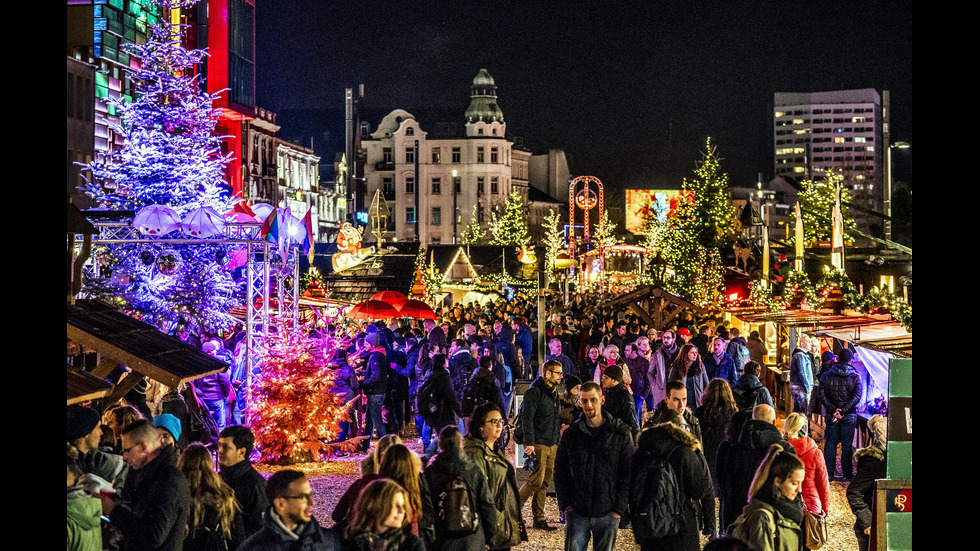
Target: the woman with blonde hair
pixel 381 519
pixel 816 485
pixel 773 519
pixel 372 462
pixel 405 468
pixel 214 518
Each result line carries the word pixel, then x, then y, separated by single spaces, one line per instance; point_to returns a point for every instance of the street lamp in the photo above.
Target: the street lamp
pixel 888 186
pixel 455 208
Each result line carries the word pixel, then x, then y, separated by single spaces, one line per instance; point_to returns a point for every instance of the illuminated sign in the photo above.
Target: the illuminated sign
pixel 361 217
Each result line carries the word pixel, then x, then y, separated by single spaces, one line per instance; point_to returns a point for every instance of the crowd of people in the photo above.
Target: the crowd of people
pixel 644 440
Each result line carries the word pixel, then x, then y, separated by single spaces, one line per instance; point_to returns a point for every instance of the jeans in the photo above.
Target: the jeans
pixel 423 429
pixel 638 400
pixel 374 422
pixel 578 530
pixel 841 432
pixel 218 409
pixel 537 482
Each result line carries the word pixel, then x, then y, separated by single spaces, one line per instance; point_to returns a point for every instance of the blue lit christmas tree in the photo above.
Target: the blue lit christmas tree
pixel 173 158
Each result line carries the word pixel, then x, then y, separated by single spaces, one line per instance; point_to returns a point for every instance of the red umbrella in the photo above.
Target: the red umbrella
pixel 372 310
pixel 417 309
pixel 393 298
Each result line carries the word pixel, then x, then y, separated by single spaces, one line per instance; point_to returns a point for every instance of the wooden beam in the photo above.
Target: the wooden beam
pixel 105 367
pixel 633 307
pixel 125 385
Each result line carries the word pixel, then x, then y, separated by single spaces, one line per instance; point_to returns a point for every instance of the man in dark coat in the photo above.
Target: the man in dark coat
pixel 840 391
pixel 289 524
pixel 443 400
pixel 718 364
pixel 618 402
pixel 155 515
pixel 638 357
pixel 462 365
pixel 541 421
pixel 592 474
pixel 234 447
pixel 749 390
pixel 669 441
pixel 737 465
pixel 444 467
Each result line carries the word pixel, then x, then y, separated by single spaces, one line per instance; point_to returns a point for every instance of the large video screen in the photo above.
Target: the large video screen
pixel 641 204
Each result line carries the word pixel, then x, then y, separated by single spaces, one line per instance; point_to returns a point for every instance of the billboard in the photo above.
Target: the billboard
pixel 644 203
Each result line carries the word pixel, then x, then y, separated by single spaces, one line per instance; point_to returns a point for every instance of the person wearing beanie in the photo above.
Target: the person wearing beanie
pixel 84 432
pixel 840 391
pixel 570 410
pixel 618 402
pixel 169 428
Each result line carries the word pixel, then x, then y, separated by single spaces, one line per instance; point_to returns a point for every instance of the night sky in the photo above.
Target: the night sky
pixel 630 90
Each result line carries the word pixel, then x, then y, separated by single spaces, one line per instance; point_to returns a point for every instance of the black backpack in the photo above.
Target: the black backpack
pixel 455 513
pixel 656 499
pixel 746 399
pixel 428 403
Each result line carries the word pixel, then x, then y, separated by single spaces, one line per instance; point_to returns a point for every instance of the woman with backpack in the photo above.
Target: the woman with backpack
pixel 773 519
pixel 669 478
pixel 482 447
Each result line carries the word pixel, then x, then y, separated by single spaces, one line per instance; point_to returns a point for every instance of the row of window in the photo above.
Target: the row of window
pixel 388 185
pixel 838 111
pixel 387 155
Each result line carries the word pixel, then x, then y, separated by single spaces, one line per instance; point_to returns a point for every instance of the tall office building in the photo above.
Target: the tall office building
pixel 844 130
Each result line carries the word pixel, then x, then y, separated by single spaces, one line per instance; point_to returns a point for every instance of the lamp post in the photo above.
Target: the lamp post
pixel 888 186
pixel 455 208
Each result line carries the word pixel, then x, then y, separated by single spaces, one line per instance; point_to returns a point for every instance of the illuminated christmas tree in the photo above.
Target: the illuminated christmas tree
pixel 817 203
pixel 473 234
pixel 511 227
pixel 293 413
pixel 554 241
pixel 711 219
pixel 173 158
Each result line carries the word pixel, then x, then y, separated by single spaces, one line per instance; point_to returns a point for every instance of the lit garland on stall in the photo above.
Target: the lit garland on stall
pixel 172 157
pixel 817 203
pixel 293 413
pixel 798 283
pixel 885 302
pixel 835 282
pixel 760 296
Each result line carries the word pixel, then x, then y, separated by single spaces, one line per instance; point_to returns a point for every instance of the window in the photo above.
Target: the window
pixel 409 215
pixel 410 131
pixel 387 156
pixel 388 188
pixel 409 154
pixel 456 155
pixel 457 184
pixel 410 184
pixel 493 154
pixel 436 155
pixel 436 186
pixel 493 185
pixel 479 185
pixel 480 155
pixel 479 215
pixel 479 131
pixel 436 216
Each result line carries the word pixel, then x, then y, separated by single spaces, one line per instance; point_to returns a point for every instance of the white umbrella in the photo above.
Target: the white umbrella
pixel 262 211
pixel 203 222
pixel 156 220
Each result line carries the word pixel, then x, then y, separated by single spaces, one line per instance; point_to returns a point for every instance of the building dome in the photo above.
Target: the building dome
pixel 483 100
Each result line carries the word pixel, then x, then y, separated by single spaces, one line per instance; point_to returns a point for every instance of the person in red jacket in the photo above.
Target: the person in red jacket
pixel 816 485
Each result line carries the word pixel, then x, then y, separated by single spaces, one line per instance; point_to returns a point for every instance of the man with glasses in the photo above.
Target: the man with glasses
pixel 541 420
pixel 290 523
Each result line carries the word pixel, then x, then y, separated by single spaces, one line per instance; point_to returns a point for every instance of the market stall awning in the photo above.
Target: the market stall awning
pixel 120 339
pixel 885 337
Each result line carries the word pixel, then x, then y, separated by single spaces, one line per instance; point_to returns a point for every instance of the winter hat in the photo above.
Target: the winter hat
pixel 845 356
pixel 371 329
pixel 571 381
pixel 614 372
pixel 81 421
pixel 827 357
pixel 169 422
pixel 684 331
pixel 372 338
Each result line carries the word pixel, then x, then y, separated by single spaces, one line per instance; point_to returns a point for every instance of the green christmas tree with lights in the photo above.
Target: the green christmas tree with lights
pixel 712 217
pixel 817 205
pixel 474 233
pixel 554 241
pixel 511 227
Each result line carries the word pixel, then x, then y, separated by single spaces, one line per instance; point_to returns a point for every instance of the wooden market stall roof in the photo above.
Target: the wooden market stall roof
pixel 871 332
pixel 120 339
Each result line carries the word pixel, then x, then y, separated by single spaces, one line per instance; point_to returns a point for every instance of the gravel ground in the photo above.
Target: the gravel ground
pixel 330 480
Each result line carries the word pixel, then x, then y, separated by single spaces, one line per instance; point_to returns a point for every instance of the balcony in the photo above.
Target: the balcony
pixel 382 165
